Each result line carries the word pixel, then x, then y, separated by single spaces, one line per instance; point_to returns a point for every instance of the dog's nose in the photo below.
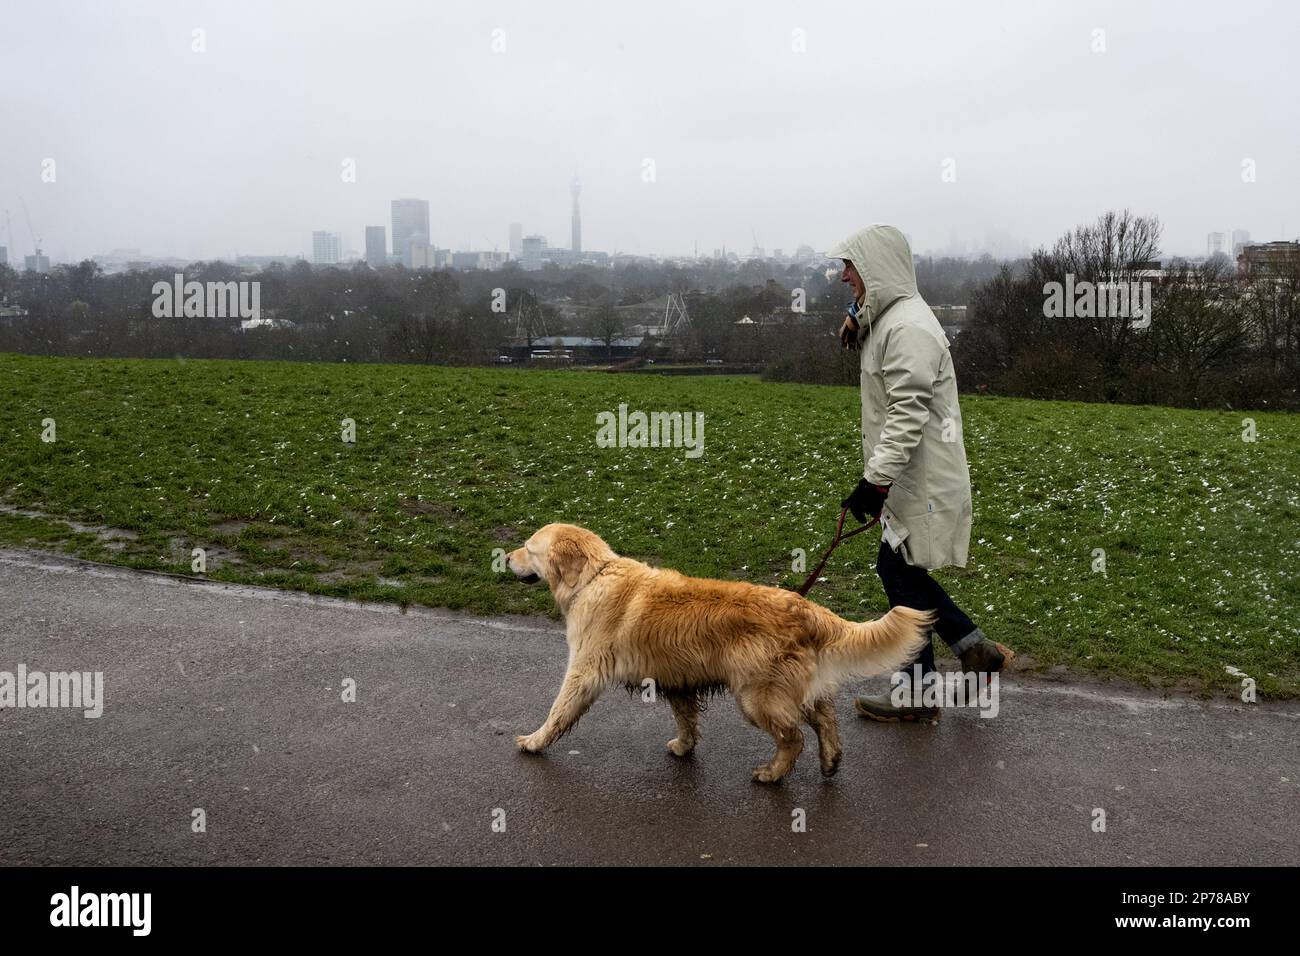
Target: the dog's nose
pixel 528 577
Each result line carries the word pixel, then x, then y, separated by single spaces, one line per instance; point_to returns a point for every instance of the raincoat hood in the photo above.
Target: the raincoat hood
pixel 883 259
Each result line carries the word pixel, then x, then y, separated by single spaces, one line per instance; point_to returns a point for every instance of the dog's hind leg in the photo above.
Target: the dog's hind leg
pixel 768 707
pixel 581 687
pixel 686 711
pixel 820 715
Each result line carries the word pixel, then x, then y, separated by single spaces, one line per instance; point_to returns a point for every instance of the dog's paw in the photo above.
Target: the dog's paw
pixel 529 743
pixel 765 774
pixel 829 766
pixel 679 747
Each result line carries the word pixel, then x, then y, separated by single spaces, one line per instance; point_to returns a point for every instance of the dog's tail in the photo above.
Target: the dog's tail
pixel 851 649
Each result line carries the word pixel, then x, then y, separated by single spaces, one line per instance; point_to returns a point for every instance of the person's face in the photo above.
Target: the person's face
pixel 851 276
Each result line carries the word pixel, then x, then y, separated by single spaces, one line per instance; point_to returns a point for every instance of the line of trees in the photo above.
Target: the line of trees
pixel 1214 339
pixel 318 315
pixel 446 316
pixel 396 315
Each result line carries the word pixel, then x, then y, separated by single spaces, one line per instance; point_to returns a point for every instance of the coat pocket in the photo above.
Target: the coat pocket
pixel 904 486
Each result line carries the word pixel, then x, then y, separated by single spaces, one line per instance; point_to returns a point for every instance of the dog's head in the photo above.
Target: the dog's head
pixel 565 556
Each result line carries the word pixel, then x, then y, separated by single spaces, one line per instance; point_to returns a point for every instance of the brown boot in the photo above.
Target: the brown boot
pixel 982 655
pixel 881 707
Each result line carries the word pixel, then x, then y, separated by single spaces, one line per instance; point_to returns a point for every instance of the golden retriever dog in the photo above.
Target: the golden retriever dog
pixel 779 654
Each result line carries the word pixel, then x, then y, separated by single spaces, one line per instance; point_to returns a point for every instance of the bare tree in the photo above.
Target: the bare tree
pixel 1199 323
pixel 1117 249
pixel 1114 247
pixel 1272 306
pixel 605 323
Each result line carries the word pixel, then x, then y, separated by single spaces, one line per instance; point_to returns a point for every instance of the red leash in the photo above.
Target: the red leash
pixel 839 536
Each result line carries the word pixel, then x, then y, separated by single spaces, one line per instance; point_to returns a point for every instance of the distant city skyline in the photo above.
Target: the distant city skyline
pixel 410 219
pixel 411 228
pixel 328 247
pixel 412 216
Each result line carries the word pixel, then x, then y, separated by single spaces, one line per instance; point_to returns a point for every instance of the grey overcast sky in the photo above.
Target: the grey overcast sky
pixel 240 148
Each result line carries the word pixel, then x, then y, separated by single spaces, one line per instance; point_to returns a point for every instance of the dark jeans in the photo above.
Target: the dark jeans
pixel 913 587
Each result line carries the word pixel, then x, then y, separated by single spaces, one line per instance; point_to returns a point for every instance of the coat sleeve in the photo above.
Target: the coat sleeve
pixel 910 367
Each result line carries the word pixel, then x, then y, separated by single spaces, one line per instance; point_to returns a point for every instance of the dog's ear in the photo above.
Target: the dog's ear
pixel 568 560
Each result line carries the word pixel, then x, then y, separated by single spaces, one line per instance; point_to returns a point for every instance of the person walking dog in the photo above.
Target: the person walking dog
pixel 915 477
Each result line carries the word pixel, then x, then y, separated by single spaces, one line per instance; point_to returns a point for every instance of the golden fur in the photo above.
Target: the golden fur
pixel 781 655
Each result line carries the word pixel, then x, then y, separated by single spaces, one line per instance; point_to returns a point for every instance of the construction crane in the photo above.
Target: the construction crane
pixel 36 240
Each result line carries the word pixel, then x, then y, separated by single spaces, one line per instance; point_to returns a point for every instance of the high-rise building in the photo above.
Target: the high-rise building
pixel 376 247
pixel 410 224
pixel 516 240
pixel 4 256
pixel 575 188
pixel 1214 245
pixel 326 248
pixel 37 263
pixel 533 251
pixel 1240 240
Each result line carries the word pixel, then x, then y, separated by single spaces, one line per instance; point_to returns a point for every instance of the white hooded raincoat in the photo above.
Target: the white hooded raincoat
pixel 911 422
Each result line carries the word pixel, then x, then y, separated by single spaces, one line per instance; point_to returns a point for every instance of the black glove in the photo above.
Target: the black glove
pixel 867 499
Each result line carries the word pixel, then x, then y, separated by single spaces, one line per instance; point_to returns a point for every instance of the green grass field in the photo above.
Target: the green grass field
pixel 1200 529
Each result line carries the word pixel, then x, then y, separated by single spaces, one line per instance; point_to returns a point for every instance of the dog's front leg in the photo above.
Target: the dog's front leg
pixel 686 711
pixel 579 691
